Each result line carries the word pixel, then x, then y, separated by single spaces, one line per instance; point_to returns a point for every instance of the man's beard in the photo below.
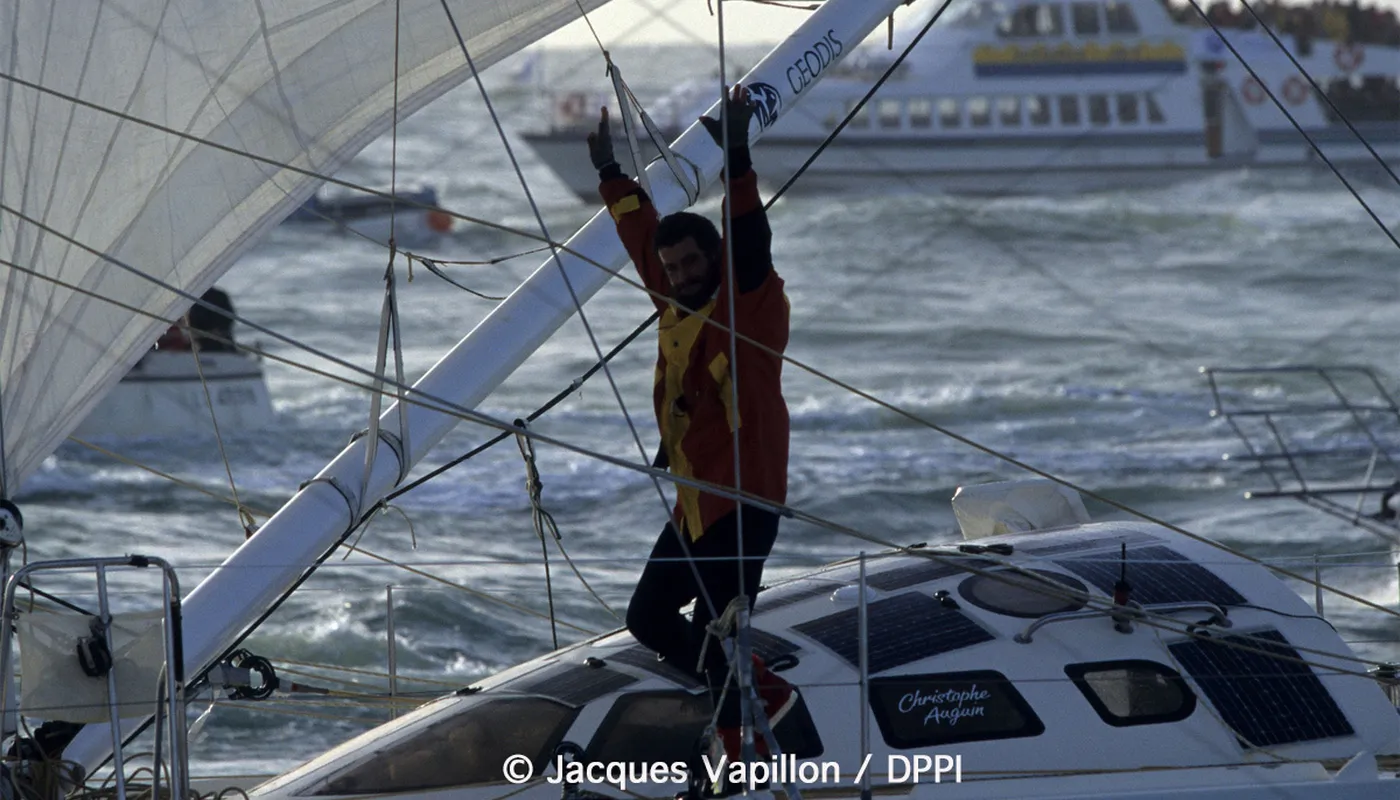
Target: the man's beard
pixel 694 296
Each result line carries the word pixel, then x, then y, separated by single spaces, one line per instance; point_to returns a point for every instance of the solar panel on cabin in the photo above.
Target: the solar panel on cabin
pixel 1085 542
pixel 922 570
pixel 1267 698
pixel 770 645
pixel 787 594
pixel 574 684
pixel 644 658
pixel 1156 574
pixel 902 629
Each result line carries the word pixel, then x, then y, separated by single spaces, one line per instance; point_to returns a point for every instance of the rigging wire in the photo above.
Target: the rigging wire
pixel 244 517
pixel 1294 122
pixel 578 304
pixel 563 273
pixel 1311 82
pixel 272 162
pixel 721 491
pixel 538 515
pixel 940 12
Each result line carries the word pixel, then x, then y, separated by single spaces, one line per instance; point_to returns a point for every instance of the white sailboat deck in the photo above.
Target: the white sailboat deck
pixel 1222 684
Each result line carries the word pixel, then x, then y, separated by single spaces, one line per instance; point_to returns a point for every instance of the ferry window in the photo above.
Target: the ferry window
pixel 1128 108
pixel 1127 693
pixel 946 708
pixel 1009 110
pixel 1154 111
pixel 464 749
pixel 1098 109
pixel 1038 109
pixel 1021 22
pixel 920 113
pixel 1086 18
pixel 891 113
pixel 861 118
pixel 1069 109
pixel 979 112
pixel 949 113
pixel 1050 21
pixel 1120 17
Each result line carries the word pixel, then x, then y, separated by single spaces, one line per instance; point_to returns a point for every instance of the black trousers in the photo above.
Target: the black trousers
pixel 668 582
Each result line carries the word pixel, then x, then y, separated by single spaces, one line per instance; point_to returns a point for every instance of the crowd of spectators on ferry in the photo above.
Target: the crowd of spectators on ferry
pixel 1352 22
pixel 1376 98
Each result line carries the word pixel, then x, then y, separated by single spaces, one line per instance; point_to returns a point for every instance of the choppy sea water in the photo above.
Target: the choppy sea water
pixel 1065 332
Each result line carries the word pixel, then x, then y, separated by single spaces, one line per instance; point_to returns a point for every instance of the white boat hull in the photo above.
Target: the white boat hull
pixel 164 395
pixel 996 166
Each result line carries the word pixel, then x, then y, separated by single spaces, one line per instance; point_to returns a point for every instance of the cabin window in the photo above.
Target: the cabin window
pixel 860 118
pixel 1086 18
pixel 1154 111
pixel 1098 109
pixel 1069 109
pixel 949 113
pixel 1038 109
pixel 891 113
pixel 1127 693
pixel 1009 111
pixel 1028 593
pixel 979 112
pixel 950 707
pixel 663 727
pixel 920 113
pixel 467 748
pixel 1128 109
pixel 1120 17
pixel 1050 21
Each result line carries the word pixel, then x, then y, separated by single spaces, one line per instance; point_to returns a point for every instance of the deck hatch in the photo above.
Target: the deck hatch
pixel 1157 574
pixel 645 659
pixel 574 684
pixel 1267 700
pixel 903 629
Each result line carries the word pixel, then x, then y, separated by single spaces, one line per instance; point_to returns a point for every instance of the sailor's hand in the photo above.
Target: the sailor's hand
pixel 739 108
pixel 600 149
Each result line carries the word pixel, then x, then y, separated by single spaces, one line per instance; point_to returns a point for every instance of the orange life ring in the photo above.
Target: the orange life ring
pixel 1348 56
pixel 1252 91
pixel 1294 90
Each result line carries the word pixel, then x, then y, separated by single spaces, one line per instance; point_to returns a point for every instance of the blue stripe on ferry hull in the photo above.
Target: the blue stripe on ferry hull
pixel 1175 67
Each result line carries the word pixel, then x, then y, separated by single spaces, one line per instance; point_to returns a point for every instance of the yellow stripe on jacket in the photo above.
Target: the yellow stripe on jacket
pixel 678 338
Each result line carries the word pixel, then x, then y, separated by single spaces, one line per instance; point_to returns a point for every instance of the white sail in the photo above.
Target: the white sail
pixel 104 108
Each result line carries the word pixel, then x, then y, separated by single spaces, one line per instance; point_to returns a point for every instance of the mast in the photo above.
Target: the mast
pixel 236 594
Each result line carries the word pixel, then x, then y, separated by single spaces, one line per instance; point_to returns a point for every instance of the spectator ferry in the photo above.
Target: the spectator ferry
pixel 1065 96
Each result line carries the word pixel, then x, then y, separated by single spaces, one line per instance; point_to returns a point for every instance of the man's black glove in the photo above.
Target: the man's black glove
pixel 600 148
pixel 739 108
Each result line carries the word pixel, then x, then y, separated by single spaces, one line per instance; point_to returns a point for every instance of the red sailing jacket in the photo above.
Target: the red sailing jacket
pixel 692 395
